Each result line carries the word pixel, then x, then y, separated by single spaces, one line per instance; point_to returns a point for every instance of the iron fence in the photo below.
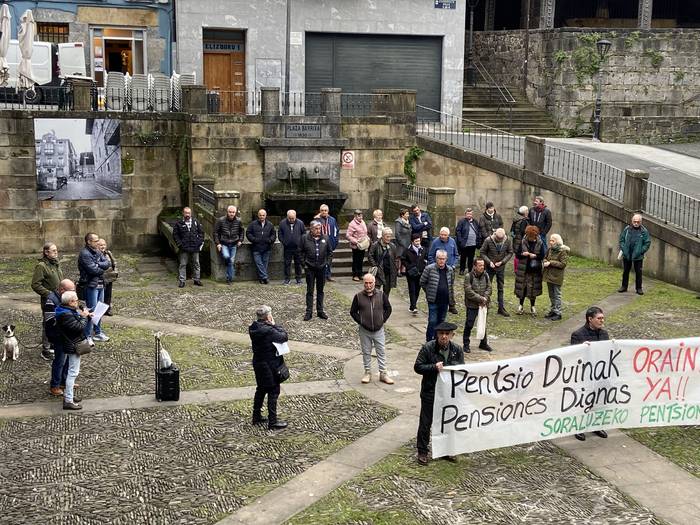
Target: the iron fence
pixel 584 171
pixel 205 197
pixel 414 194
pixel 40 97
pixel 673 208
pixel 470 135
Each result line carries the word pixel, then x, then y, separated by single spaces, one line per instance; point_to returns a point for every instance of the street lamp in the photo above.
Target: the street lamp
pixel 471 70
pixel 603 46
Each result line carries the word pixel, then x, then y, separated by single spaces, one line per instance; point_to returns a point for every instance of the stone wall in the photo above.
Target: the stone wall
pixel 128 222
pixel 650 73
pixel 589 223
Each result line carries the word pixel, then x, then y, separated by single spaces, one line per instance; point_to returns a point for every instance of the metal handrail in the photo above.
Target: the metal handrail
pixel 506 95
pixel 673 207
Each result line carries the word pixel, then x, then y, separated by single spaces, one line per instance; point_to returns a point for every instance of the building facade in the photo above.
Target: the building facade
pixel 306 45
pixel 56 161
pixel 119 35
pixel 106 151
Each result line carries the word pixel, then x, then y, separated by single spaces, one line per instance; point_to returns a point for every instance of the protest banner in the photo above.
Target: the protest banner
pixel 582 388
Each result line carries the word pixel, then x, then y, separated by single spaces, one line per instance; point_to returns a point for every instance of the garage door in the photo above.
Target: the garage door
pixel 361 63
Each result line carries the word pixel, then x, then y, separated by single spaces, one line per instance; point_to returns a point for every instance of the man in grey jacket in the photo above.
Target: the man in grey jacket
pixel 477 293
pixel 496 251
pixel 438 282
pixel 370 310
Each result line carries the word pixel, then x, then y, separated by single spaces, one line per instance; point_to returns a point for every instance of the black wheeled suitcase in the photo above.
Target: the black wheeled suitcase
pixel 167 379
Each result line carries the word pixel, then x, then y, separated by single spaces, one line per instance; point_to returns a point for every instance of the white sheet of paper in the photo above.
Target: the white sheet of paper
pixel 99 311
pixel 282 348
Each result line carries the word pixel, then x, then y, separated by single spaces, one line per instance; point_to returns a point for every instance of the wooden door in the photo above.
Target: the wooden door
pixel 225 73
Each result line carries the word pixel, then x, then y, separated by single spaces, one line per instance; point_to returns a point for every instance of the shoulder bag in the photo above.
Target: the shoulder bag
pixel 83 347
pixel 281 373
pixel 363 243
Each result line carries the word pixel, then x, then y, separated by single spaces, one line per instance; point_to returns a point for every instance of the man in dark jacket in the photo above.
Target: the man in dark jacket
pixel 634 243
pixel 228 236
pixel 47 275
pixel 370 310
pixel 329 228
pixel 496 251
pixel 315 250
pixel 189 238
pixel 468 236
pixel 261 235
pixel 413 261
pixel 92 264
pixel 591 331
pixel 59 365
pixel 432 357
pixel 438 282
pixel 421 222
pixel 264 333
pixel 290 233
pixel 477 293
pixel 490 221
pixel 541 216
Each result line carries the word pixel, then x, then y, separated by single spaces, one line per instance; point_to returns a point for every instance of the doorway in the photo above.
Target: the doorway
pixel 224 68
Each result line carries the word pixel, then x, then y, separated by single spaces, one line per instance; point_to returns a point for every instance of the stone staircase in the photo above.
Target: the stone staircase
pixel 484 104
pixel 342 258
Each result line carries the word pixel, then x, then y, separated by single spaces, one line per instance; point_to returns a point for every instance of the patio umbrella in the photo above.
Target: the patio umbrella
pixel 4 43
pixel 27 30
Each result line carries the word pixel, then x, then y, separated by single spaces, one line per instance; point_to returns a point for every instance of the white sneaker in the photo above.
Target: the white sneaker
pixel 520 309
pixel 100 337
pixel 533 311
pixel 90 341
pixel 366 378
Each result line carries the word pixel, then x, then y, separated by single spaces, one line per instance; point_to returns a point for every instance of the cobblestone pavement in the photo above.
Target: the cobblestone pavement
pixel 190 464
pixel 124 365
pixel 516 485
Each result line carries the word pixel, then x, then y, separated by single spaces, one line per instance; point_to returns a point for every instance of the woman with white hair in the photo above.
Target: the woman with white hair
pixel 517 232
pixel 382 256
pixel 71 321
pixel 553 273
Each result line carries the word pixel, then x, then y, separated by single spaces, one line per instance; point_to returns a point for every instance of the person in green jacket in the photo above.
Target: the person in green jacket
pixel 47 275
pixel 553 273
pixel 634 243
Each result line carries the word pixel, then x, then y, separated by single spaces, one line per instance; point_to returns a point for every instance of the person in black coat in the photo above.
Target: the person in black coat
pixel 413 263
pixel 71 323
pixel 92 264
pixel 261 234
pixel 540 216
pixel 315 251
pixel 263 334
pixel 189 238
pixel 290 233
pixel 591 331
pixel 468 237
pixel 228 236
pixel 432 356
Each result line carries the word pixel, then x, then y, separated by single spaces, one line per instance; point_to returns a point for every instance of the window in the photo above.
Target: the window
pixel 54 33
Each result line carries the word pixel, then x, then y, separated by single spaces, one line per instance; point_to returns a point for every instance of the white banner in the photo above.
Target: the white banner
pixel 582 388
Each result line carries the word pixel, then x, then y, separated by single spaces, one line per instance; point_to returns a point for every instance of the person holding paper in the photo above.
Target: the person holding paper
pixel 92 264
pixel 477 294
pixel 264 333
pixel 433 356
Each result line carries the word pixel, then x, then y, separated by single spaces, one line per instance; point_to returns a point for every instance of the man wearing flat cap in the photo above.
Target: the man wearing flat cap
pixel 433 356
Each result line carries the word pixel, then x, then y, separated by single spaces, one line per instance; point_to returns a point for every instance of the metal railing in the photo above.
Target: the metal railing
pixel 40 97
pixel 673 207
pixel 414 194
pixel 205 197
pixel 584 171
pixel 470 135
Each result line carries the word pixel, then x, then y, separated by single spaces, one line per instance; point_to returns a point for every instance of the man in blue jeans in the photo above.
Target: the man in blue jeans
pixel 92 264
pixel 261 235
pixel 438 282
pixel 59 365
pixel 228 235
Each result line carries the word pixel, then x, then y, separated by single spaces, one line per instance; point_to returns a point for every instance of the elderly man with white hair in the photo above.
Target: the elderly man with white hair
pixel 634 243
pixel 553 273
pixel 496 251
pixel 446 243
pixel 382 256
pixel 438 282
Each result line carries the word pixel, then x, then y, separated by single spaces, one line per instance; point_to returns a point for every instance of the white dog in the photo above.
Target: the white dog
pixel 10 347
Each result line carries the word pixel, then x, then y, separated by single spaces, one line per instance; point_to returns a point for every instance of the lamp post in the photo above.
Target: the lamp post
pixel 471 70
pixel 603 46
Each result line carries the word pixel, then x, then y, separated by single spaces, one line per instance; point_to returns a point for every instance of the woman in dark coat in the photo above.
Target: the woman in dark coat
pixel 382 254
pixel 71 322
pixel 528 279
pixel 413 263
pixel 517 232
pixel 108 276
pixel 263 334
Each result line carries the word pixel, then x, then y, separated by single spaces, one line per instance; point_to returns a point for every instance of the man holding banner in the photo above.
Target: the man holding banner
pixel 433 356
pixel 477 294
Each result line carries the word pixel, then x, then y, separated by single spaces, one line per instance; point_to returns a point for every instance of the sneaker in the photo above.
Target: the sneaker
pixel 56 391
pixel 298 281
pixel 71 406
pixel 549 314
pixel 621 289
pixel 101 337
pixel 181 284
pixel 267 281
pixel 330 280
pixel 46 355
pixel 555 317
pixel 356 279
pixel 466 349
pixel 109 312
pixel 533 312
pixel 640 292
pixel 384 378
pixel 277 425
pixel 198 283
pixel 422 458
pixel 580 437
pixel 366 378
pixel 601 433
pixel 485 346
pixel 502 311
pixel 287 281
pixel 322 315
pixel 520 309
pixel 307 316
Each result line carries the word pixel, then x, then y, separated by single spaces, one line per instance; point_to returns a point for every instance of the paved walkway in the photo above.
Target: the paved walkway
pixel 667 490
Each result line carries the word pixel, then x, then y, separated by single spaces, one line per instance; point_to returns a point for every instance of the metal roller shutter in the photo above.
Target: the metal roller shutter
pixel 359 63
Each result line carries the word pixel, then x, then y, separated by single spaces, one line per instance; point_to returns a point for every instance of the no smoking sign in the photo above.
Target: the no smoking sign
pixel 347 159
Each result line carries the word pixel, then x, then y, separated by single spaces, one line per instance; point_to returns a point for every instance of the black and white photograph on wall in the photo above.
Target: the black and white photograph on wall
pixel 78 159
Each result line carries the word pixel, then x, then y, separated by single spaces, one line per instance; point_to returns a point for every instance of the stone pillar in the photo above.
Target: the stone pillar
pixel 394 102
pixel 635 196
pixel 393 187
pixel 441 207
pixel 194 99
pixel 82 95
pixel 644 14
pixel 489 15
pixel 270 102
pixel 547 10
pixel 330 102
pixel 226 198
pixel 534 154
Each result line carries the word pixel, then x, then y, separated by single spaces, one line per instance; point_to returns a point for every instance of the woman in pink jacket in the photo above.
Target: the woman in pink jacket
pixel 356 234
